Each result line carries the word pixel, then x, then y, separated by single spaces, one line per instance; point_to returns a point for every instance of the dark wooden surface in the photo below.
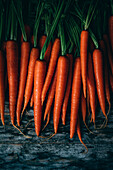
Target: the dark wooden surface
pixel 59 152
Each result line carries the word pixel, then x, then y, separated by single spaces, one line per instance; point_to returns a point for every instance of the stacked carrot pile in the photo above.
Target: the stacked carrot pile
pixel 56 59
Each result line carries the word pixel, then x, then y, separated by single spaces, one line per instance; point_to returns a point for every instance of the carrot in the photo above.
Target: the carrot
pixel 34 55
pixel 91 87
pixel 39 76
pixel 109 53
pixel 98 72
pixel 110 25
pixel 25 50
pixel 83 107
pixel 79 133
pixel 28 32
pixel 50 95
pixel 32 99
pixel 62 75
pixel 12 69
pixel 51 68
pixel 68 88
pixel 75 96
pixel 2 86
pixel 107 89
pixel 48 51
pixel 83 58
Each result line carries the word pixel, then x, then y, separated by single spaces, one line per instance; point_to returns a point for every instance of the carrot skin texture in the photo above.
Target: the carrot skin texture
pixel 12 69
pixel 34 55
pixel 62 74
pixel 110 22
pixel 48 51
pixel 39 76
pixel 109 53
pixel 75 96
pixel 91 87
pixel 51 95
pixel 83 58
pixel 25 50
pixel 32 99
pixel 2 86
pixel 68 88
pixel 106 75
pixel 51 68
pixel 98 71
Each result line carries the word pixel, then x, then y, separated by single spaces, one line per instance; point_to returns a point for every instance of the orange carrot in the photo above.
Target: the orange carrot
pixel 2 86
pixel 111 30
pixel 12 70
pixel 30 77
pixel 109 53
pixel 50 95
pixel 68 88
pixel 83 58
pixel 83 107
pixel 75 96
pixel 62 74
pixel 91 87
pixel 98 71
pixel 107 89
pixel 79 133
pixel 51 68
pixel 39 76
pixel 25 50
pixel 32 99
pixel 48 51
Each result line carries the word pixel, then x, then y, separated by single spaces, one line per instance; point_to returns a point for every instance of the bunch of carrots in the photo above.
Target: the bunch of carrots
pixel 60 64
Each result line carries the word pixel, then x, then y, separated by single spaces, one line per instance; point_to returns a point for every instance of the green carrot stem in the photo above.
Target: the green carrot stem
pixel 12 22
pixel 62 38
pixel 50 34
pixel 35 31
pixel 18 10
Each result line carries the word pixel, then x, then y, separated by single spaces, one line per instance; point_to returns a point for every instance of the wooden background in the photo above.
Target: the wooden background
pixel 59 152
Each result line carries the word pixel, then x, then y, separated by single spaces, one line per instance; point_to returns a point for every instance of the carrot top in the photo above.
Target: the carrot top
pixel 18 10
pixel 39 11
pixel 91 10
pixel 12 23
pixel 57 15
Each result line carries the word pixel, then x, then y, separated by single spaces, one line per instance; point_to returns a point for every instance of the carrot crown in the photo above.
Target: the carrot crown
pixel 51 31
pixel 91 10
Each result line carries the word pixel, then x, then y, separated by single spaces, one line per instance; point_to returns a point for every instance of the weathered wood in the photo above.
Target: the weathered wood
pixel 60 152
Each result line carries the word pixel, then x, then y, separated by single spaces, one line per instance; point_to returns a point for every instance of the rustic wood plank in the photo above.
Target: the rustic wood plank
pixel 60 152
